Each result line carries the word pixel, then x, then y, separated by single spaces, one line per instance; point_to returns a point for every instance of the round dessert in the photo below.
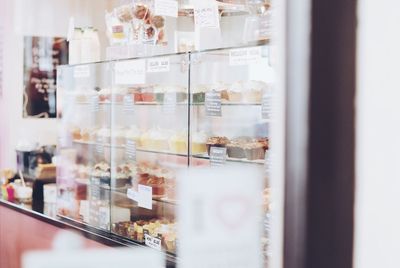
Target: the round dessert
pixel 235 148
pixel 133 134
pixel 254 151
pixel 235 92
pixel 118 137
pixel 253 91
pixel 216 142
pixel 104 136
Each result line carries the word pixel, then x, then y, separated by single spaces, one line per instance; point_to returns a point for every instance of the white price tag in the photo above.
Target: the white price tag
pixel 81 71
pixel 152 242
pixel 206 15
pixel 130 72
pixel 145 197
pixel 244 56
pixel 166 8
pixel 132 194
pixel 158 65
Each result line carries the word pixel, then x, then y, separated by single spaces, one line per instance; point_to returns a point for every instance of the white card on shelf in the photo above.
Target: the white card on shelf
pixel 145 196
pixel 152 242
pixel 244 56
pixel 219 206
pixel 81 71
pixel 158 65
pixel 130 72
pixel 130 150
pixel 166 8
pixel 213 103
pixel 217 156
pixel 206 14
pixel 132 194
pixel 129 104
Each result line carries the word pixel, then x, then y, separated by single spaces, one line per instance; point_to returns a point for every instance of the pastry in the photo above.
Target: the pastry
pixel 199 94
pixel 254 150
pixel 216 142
pixel 105 95
pixel 103 136
pixel 253 91
pixel 76 133
pixel 155 139
pixel 178 143
pixel 148 94
pixel 118 137
pixel 235 147
pixel 235 92
pixel 170 242
pixel 199 140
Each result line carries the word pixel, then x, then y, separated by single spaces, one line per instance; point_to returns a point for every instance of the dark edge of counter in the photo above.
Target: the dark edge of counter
pixel 102 237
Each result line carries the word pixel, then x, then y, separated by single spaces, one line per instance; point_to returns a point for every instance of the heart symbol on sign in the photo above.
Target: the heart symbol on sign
pixel 232 210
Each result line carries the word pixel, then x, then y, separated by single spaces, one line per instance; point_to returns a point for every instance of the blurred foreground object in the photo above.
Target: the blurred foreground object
pixel 69 253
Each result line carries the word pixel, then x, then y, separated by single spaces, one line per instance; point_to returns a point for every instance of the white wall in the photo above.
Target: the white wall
pixel 34 18
pixel 377 240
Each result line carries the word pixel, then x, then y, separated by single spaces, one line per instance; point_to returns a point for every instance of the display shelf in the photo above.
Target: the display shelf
pixel 229 159
pixel 124 146
pixel 177 104
pixel 160 199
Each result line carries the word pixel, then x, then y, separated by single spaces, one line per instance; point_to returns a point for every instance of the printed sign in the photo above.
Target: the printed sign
pixel 211 216
pixel 94 104
pixel 145 198
pixel 244 56
pixel 265 26
pixel 266 107
pixel 169 103
pixel 129 104
pixel 217 156
pixel 130 150
pixel 166 8
pixel 206 15
pixel 132 194
pixel 130 72
pixel 213 104
pixel 152 242
pixel 81 71
pixel 158 65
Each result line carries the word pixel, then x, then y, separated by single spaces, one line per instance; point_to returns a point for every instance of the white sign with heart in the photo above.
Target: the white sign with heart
pixel 220 224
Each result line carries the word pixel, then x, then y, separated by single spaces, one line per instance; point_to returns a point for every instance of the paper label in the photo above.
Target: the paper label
pixel 129 104
pixel 81 71
pixel 99 146
pixel 104 217
pixel 166 8
pixel 244 56
pixel 213 104
pixel 94 104
pixel 158 65
pixel 130 72
pixel 169 103
pixel 265 26
pixel 145 196
pixel 266 107
pixel 132 194
pixel 217 156
pixel 130 150
pixel 206 15
pixel 152 242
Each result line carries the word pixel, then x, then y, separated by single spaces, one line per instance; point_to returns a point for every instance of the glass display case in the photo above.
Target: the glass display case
pixel 129 126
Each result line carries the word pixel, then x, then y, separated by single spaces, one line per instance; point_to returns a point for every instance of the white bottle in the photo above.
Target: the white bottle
pixel 74 48
pixel 90 46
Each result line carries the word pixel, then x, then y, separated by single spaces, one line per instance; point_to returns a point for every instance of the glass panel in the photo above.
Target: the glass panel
pixel 149 145
pixel 231 111
pixel 83 176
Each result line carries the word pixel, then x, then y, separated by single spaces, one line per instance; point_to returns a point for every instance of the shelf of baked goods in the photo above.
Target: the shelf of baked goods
pixel 240 93
pixel 127 177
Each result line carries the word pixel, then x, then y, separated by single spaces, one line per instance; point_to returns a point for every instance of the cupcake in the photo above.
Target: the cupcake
pixel 199 140
pixel 178 143
pixel 216 142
